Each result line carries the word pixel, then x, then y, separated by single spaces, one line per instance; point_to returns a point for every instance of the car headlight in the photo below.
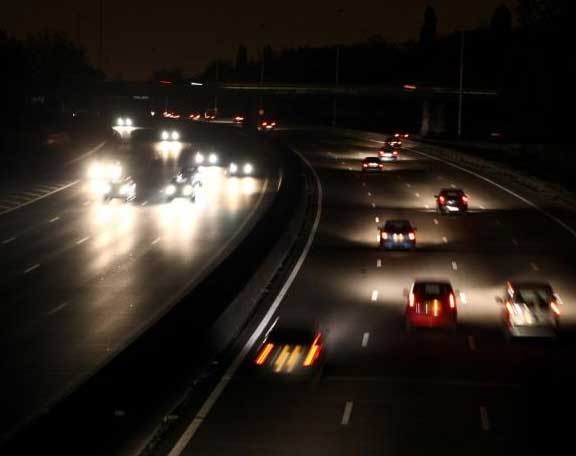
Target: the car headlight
pixel 170 190
pixel 120 122
pixel 187 190
pixel 95 171
pixel 105 188
pixel 213 159
pixel 199 158
pixel 124 189
pixel 233 168
pixel 175 136
pixel 128 122
pixel 115 171
pixel 165 136
pixel 248 168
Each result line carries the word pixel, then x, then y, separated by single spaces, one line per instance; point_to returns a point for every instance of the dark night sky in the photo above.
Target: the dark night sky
pixel 141 36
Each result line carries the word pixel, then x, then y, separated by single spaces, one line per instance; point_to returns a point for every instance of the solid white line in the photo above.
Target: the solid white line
pixel 58 308
pixel 485 420
pixel 445 239
pixel 363 184
pixel 377 219
pixel 9 240
pixel 215 394
pixel 435 221
pixel 365 339
pixel 507 190
pixel 55 219
pixel 374 205
pixel 27 203
pixel 156 241
pixel 31 268
pixel 378 263
pixel 534 266
pixel 472 343
pixel 347 413
pixel 454 265
pixel 374 296
pixel 144 203
pixel 83 240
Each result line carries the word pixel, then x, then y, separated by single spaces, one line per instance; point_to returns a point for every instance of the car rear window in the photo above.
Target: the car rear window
pixel 373 159
pixel 453 194
pixel 432 289
pixel 540 297
pixel 397 225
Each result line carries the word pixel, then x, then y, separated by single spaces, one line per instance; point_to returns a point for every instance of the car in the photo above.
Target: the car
pixel 195 116
pixel 431 304
pixel 372 164
pixel 530 309
pixel 122 188
pixel 291 350
pixel 388 153
pixel 393 142
pixel 452 200
pixel 170 135
pixel 266 125
pixel 190 173
pixel 238 119
pixel 210 114
pixel 397 235
pixel 181 187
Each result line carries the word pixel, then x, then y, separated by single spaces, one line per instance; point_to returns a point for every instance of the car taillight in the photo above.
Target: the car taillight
pixel 395 152
pixel 313 353
pixel 509 308
pixel 555 308
pixel 264 353
pixel 411 300
pixel 464 199
pixel 452 301
pixel 412 236
pixel 384 235
pixel 441 199
pixel 406 135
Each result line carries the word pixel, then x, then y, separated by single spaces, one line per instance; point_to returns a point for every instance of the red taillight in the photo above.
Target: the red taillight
pixel 395 152
pixel 464 199
pixel 412 236
pixel 384 235
pixel 397 135
pixel 406 135
pixel 264 353
pixel 452 301
pixel 314 352
pixel 441 199
pixel 411 300
pixel 555 308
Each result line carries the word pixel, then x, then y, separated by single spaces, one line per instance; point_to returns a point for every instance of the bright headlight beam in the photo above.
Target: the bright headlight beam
pixel 170 190
pixel 165 135
pixel 233 168
pixel 199 158
pixel 213 159
pixel 120 122
pixel 128 122
pixel 248 168
pixel 175 136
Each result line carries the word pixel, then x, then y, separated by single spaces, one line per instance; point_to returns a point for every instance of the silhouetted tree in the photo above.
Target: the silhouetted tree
pixel 428 30
pixel 501 22
pixel 541 12
pixel 241 58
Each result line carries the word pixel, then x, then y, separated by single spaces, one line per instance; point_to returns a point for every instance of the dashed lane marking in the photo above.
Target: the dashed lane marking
pixel 378 263
pixel 31 268
pixel 347 413
pixel 365 339
pixel 374 296
pixel 454 266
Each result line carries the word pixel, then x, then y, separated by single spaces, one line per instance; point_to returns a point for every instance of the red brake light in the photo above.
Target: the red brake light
pixel 441 199
pixel 411 300
pixel 464 199
pixel 384 235
pixel 264 353
pixel 395 152
pixel 555 308
pixel 397 135
pixel 452 301
pixel 412 236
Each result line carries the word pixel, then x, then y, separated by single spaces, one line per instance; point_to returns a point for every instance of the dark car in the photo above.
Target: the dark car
pixel 530 309
pixel 393 141
pixel 431 304
pixel 182 187
pixel 372 164
pixel 452 200
pixel 397 235
pixel 291 350
pixel 388 153
pixel 210 114
pixel 266 125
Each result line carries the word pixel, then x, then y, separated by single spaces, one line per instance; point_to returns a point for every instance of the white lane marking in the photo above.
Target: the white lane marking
pixel 472 343
pixel 378 263
pixel 417 195
pixel 534 266
pixel 564 225
pixel 435 221
pixel 454 266
pixel 369 194
pixel 484 419
pixel 374 296
pixel 482 207
pixel 83 240
pixel 463 298
pixel 515 242
pixel 31 268
pixel 54 219
pixel 156 241
pixel 452 185
pixel 144 203
pixel 365 339
pixel 347 413
pixel 377 219
pixel 427 206
pixel 217 391
pixel 445 239
pixel 408 185
pixel 9 240
pixel 58 308
pixel 46 195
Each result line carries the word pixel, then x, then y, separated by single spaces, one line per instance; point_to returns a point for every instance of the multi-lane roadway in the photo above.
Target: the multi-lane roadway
pixel 383 390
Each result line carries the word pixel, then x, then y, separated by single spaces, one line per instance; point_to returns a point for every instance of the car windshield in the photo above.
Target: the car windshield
pixel 397 226
pixel 538 297
pixel 432 290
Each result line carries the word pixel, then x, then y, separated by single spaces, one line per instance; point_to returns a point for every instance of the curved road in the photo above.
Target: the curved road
pixel 384 391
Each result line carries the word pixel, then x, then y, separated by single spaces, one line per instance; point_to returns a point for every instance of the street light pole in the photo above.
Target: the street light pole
pixel 101 35
pixel 460 84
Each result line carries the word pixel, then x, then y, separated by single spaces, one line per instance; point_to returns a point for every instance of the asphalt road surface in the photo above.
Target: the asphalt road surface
pixel 80 278
pixel 383 390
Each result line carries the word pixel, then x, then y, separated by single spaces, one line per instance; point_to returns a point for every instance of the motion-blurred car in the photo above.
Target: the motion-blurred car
pixel 372 164
pixel 238 120
pixel 297 351
pixel 170 135
pixel 431 304
pixel 452 200
pixel 181 187
pixel 401 135
pixel 240 169
pixel 123 188
pixel 124 122
pixel 195 116
pixel 393 142
pixel 397 235
pixel 210 115
pixel 266 125
pixel 530 309
pixel 388 153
